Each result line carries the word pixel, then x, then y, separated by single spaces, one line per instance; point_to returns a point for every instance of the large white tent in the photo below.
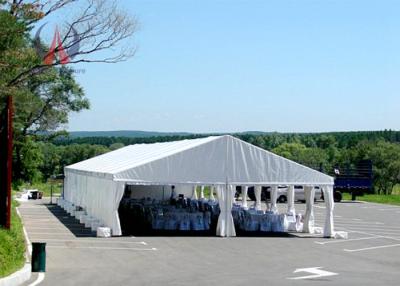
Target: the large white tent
pixel 98 184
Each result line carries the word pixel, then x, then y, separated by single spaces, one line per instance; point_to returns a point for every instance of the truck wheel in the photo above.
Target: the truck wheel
pixel 282 199
pixel 337 197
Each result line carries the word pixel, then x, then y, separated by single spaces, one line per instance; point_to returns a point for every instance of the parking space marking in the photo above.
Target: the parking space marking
pixel 94 241
pixel 368 227
pixel 347 240
pixel 344 221
pixel 371 230
pixel 371 248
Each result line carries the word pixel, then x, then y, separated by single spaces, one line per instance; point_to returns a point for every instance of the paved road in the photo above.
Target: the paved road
pixel 371 255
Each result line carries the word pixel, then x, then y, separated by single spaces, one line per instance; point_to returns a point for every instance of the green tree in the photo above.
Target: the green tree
pixel 33 158
pixel 116 146
pixel 291 151
pixel 386 166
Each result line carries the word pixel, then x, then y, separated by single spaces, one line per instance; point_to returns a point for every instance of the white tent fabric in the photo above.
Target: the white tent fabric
pixel 194 196
pixel 98 196
pixel 290 201
pixel 329 204
pixel 274 197
pixel 257 193
pixel 309 193
pixel 225 226
pixel 244 197
pixel 97 183
pixel 202 193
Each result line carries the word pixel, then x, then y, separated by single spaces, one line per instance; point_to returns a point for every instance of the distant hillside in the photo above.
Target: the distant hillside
pixel 124 133
pixel 146 134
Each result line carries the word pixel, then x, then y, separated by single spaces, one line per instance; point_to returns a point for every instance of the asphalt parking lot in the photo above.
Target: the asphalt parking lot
pixel 371 255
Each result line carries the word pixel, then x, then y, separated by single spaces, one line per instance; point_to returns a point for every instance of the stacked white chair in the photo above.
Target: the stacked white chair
pixel 88 221
pixel 78 214
pixel 82 218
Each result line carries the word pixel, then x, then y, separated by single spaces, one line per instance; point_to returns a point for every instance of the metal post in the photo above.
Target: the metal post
pixel 6 143
pixel 51 193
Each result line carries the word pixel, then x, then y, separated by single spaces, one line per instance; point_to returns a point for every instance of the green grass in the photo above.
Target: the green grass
pixel 382 199
pixel 43 187
pixel 12 246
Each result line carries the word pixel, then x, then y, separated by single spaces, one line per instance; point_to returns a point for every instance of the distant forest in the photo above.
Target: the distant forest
pixel 47 156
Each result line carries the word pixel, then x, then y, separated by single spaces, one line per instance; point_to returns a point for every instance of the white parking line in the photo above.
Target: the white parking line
pixel 373 234
pixel 346 222
pixel 371 248
pixel 368 227
pixel 93 241
pixel 347 240
pixel 371 229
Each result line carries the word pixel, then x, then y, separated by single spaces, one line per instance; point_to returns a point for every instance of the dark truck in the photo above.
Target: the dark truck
pixel 355 181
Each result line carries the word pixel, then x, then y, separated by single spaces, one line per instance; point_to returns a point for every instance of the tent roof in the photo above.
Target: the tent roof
pixel 211 160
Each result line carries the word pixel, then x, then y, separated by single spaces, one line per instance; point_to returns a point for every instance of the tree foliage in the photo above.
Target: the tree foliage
pixel 319 151
pixel 46 93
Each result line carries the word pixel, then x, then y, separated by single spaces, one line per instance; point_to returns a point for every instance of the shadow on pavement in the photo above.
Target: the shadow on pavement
pixel 72 224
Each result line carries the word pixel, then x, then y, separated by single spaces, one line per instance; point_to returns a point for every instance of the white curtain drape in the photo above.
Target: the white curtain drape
pixel 329 204
pixel 244 197
pixel 99 197
pixel 290 201
pixel 194 195
pixel 257 193
pixel 202 193
pixel 118 194
pixel 225 226
pixel 308 225
pixel 274 197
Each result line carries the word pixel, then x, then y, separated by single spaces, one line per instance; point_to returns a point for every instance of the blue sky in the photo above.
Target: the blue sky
pixel 288 66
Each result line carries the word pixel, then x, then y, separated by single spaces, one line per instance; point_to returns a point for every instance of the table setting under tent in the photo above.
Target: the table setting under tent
pixel 160 188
